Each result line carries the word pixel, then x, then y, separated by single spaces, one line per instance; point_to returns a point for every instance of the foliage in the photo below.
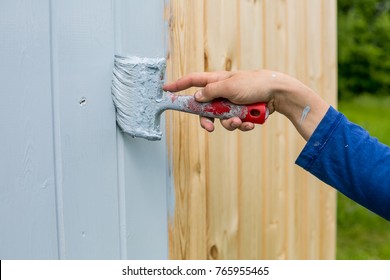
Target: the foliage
pixel 364 68
pixel 360 233
pixel 363 47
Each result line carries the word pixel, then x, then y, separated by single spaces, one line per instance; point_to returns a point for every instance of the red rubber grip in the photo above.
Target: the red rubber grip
pixel 218 108
pixel 257 113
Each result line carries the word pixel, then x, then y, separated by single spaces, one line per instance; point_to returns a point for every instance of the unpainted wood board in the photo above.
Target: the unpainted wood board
pixel 329 87
pixel 252 167
pixel 275 47
pixel 296 38
pixel 258 204
pixel 221 32
pixel 187 217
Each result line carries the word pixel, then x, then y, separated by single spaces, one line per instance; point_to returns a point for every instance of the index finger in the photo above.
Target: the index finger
pixel 198 79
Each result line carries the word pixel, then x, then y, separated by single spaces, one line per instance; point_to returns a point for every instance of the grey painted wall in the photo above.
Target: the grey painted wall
pixel 72 186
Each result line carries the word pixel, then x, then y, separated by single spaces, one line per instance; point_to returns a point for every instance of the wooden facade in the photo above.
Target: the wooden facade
pixel 73 186
pixel 240 195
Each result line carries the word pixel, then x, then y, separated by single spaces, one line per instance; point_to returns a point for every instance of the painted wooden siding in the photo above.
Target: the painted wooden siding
pixel 140 30
pixel 27 181
pixel 239 195
pixel 71 185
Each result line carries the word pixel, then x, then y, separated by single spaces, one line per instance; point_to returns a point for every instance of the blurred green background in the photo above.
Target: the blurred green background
pixel 364 97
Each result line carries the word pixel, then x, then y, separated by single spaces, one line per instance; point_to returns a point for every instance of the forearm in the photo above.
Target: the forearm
pixel 346 157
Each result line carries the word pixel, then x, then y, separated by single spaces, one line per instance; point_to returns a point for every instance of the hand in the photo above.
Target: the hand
pixel 282 93
pixel 242 87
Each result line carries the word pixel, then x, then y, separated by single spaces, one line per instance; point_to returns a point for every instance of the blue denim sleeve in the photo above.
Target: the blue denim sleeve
pixel 346 157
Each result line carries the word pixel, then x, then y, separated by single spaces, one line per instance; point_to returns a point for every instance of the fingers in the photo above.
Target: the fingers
pixel 200 79
pixel 229 124
pixel 247 126
pixel 207 123
pixel 236 123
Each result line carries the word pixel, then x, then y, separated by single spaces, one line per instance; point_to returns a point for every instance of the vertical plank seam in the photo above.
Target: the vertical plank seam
pixel 264 147
pixel 207 141
pixel 121 195
pixel 120 149
pixel 239 140
pixel 322 200
pixel 287 228
pixel 170 182
pixel 305 226
pixel 58 174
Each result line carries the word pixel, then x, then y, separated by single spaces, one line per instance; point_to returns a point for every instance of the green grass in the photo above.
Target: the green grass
pixel 360 233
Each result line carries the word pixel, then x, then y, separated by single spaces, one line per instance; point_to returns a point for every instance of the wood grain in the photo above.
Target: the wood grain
pixel 239 195
pixel 187 227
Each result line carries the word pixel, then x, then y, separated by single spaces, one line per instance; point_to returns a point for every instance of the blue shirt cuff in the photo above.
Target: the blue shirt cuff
pixel 319 138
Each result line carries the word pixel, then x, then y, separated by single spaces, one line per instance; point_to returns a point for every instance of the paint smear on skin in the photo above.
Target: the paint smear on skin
pixel 305 112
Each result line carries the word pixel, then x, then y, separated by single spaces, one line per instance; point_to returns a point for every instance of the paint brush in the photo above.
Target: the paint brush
pixel 139 99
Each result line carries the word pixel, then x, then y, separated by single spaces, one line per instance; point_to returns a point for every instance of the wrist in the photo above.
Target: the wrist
pixel 291 97
pixel 300 104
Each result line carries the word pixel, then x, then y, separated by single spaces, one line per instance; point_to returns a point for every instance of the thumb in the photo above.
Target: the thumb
pixel 212 91
pixel 200 97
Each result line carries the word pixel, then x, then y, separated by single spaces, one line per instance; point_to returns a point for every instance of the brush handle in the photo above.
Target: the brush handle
pixel 220 108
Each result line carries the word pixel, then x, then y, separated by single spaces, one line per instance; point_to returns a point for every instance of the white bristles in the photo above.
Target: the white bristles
pixel 136 87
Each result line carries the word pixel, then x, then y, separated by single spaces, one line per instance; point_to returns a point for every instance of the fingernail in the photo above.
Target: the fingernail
pixel 234 125
pixel 198 95
pixel 250 126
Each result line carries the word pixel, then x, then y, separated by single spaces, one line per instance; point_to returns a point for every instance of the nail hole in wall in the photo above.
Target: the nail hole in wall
pixel 82 101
